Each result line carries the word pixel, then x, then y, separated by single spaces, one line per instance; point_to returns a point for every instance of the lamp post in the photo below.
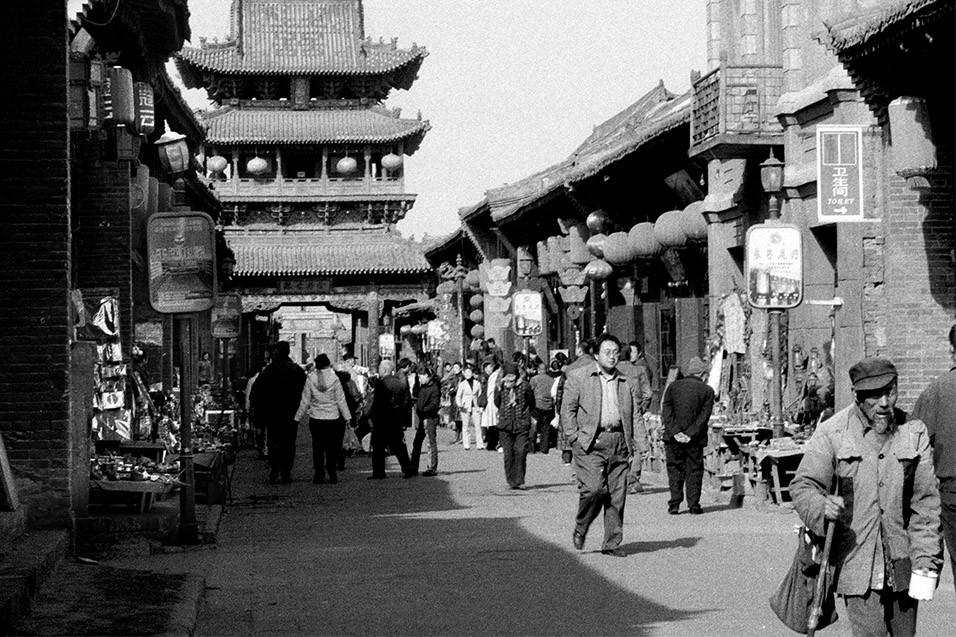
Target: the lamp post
pixel 771 178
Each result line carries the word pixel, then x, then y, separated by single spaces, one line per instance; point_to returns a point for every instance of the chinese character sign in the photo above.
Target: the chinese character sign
pixel 774 266
pixel 528 315
pixel 182 262
pixel 227 316
pixel 839 173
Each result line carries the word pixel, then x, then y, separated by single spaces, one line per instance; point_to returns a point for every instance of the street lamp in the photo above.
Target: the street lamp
pixel 771 178
pixel 173 152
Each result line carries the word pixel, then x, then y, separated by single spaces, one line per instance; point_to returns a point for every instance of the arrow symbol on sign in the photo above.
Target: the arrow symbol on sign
pixel 840 210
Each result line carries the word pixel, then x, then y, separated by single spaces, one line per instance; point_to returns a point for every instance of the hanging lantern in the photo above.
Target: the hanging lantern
pixel 599 221
pixel 598 270
pixel 472 281
pixel 693 222
pixel 257 166
pixel 617 249
pixel 669 229
pixel 477 316
pixel 477 331
pixel 118 100
pixel 216 164
pixel 596 245
pixel 476 301
pixel 643 241
pixel 173 152
pixel 405 329
pixel 392 161
pixel 419 329
pixel 445 287
pixel 346 166
pixel 577 244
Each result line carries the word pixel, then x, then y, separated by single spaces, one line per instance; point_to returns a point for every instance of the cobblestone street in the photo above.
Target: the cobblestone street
pixel 461 554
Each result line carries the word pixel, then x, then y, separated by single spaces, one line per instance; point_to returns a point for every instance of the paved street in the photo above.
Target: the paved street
pixel 461 554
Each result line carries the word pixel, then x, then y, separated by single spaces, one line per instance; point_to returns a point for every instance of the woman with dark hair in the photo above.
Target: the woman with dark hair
pixel 323 398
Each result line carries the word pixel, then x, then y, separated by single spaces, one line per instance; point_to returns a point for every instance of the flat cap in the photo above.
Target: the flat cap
pixel 693 367
pixel 872 373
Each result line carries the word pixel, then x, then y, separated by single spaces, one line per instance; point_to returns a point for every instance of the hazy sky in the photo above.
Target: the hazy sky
pixel 513 86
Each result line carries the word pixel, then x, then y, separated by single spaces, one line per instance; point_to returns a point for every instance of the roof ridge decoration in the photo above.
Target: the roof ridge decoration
pixel 857 30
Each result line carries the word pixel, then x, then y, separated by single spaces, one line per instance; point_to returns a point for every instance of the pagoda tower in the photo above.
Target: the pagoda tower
pixel 310 168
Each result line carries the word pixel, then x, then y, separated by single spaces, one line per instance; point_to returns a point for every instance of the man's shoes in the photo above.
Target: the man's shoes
pixel 287 480
pixel 273 477
pixel 578 540
pixel 428 473
pixel 673 510
pixel 409 474
pixel 333 479
pixel 318 480
pixel 636 488
pixel 618 552
pixel 696 511
pixel 373 477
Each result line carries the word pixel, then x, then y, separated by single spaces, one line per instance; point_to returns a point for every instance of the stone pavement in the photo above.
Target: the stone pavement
pixel 461 554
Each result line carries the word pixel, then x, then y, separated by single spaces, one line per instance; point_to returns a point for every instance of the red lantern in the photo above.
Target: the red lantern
pixel 693 222
pixel 669 229
pixel 476 301
pixel 257 166
pixel 472 280
pixel 643 240
pixel 391 162
pixel 599 221
pixel 216 164
pixel 476 316
pixel 477 331
pixel 598 270
pixel 346 166
pixel 596 245
pixel 617 249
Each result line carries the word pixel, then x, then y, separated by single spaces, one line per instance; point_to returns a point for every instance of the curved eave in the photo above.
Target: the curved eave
pixel 191 61
pixel 329 271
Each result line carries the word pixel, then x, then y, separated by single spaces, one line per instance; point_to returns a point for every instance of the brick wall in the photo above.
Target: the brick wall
pixel 103 229
pixel 920 283
pixel 35 319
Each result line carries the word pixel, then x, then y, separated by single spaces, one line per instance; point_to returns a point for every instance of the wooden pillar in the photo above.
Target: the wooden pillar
pixel 374 309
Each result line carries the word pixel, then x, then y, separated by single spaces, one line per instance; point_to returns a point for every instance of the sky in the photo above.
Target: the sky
pixel 511 86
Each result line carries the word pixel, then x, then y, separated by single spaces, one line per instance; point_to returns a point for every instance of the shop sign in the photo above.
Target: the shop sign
pixel 437 334
pixel 182 262
pixel 226 315
pixel 839 173
pixel 528 313
pixel 386 345
pixel 774 266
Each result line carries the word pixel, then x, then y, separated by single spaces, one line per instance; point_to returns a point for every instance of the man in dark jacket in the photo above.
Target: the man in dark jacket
pixel 514 399
pixel 389 416
pixel 275 398
pixel 426 407
pixel 685 412
pixel 936 407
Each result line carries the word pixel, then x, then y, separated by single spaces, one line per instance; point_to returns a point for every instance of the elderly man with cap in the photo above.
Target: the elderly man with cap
pixel 685 411
pixel 870 469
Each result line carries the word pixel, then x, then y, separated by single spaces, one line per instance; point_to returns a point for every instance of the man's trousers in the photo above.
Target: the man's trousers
pixel 601 474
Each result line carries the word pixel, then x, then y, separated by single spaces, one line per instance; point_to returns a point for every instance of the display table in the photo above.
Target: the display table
pixel 139 494
pixel 211 472
pixel 782 465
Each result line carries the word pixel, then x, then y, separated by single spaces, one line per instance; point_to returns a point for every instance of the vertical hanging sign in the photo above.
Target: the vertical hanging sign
pixel 839 173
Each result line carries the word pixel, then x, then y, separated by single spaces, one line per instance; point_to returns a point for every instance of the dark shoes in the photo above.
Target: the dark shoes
pixel 618 552
pixel 373 477
pixel 333 479
pixel 696 511
pixel 318 480
pixel 409 474
pixel 673 510
pixel 578 540
pixel 429 473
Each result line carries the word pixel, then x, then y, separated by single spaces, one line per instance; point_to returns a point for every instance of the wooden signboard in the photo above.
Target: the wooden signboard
pixel 8 489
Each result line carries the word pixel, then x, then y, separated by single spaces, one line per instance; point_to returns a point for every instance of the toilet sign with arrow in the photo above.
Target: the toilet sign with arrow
pixel 839 173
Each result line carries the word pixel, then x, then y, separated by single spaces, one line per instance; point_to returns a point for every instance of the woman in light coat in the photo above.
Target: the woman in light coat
pixel 466 398
pixel 323 398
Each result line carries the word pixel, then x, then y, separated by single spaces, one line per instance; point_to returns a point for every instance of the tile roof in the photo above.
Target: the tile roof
pixel 312 253
pixel 311 37
pixel 859 29
pixel 322 126
pixel 654 114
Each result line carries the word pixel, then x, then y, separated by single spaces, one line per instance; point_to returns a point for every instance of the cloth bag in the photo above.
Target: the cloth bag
pixel 792 600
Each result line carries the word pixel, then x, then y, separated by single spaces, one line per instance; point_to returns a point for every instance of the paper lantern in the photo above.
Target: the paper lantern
pixel 617 249
pixel 596 245
pixel 257 166
pixel 216 164
pixel 598 270
pixel 477 331
pixel 599 222
pixel 346 166
pixel 577 244
pixel 693 222
pixel 392 161
pixel 476 301
pixel 472 281
pixel 405 329
pixel 445 287
pixel 118 100
pixel 419 329
pixel 476 316
pixel 643 241
pixel 669 229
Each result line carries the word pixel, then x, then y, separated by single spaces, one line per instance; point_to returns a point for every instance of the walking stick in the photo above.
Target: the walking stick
pixel 820 584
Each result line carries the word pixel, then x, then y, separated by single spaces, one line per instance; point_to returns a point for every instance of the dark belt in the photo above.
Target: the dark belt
pixel 610 430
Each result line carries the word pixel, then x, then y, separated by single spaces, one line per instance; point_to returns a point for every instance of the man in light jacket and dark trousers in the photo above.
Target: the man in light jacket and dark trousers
pixel 685 411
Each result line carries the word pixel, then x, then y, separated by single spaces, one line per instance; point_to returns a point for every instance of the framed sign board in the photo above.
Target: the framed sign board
pixel 182 262
pixel 774 266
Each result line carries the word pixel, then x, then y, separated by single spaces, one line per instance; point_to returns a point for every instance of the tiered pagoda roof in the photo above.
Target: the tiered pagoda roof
pixel 300 37
pixel 373 125
pixel 265 253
